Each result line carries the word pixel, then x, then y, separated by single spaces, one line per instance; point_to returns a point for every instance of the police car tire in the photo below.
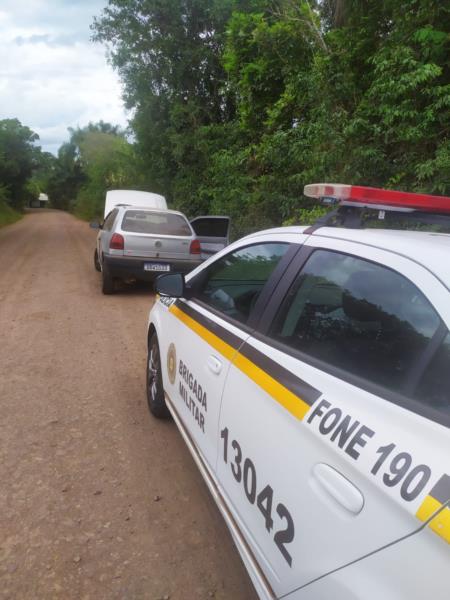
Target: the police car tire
pixel 107 281
pixel 96 261
pixel 154 384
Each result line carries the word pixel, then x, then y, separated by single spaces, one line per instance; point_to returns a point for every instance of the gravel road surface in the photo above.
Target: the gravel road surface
pixel 97 499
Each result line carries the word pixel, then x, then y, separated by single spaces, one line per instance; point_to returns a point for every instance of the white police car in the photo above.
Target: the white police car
pixel 308 370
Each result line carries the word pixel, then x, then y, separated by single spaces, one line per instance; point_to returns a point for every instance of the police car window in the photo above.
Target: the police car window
pixel 358 316
pixel 435 383
pixel 233 283
pixel 109 221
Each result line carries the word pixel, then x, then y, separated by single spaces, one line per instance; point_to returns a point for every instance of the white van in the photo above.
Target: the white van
pixel 133 198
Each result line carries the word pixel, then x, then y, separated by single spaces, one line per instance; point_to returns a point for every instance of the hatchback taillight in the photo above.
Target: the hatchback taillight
pixel 195 247
pixel 117 242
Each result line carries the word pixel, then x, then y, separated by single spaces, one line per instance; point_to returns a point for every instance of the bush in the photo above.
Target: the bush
pixel 7 214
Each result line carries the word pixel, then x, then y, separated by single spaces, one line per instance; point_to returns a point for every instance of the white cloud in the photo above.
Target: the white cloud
pixel 51 76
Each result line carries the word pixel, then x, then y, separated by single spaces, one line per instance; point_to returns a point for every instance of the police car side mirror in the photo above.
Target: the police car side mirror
pixel 171 284
pixel 95 225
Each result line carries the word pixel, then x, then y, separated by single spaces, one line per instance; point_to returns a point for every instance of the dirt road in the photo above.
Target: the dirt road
pixel 97 500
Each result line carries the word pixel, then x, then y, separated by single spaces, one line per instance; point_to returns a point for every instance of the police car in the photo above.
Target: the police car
pixel 308 370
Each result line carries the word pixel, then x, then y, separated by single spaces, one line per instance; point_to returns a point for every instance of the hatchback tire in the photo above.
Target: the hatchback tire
pixel 107 281
pixel 154 384
pixel 96 261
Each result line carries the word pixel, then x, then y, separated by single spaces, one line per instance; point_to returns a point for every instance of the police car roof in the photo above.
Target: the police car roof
pixel 432 250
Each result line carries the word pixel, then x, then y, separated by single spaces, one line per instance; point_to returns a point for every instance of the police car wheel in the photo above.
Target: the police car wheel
pixel 155 391
pixel 96 261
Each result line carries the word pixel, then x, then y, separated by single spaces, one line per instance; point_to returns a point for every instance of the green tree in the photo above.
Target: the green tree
pixel 18 159
pixel 96 158
pixel 107 160
pixel 66 177
pixel 169 57
pixel 44 170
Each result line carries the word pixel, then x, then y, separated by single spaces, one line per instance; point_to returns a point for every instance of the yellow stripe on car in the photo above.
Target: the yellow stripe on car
pixel 440 524
pixel 427 509
pixel 295 405
pixel 292 403
pixel 212 339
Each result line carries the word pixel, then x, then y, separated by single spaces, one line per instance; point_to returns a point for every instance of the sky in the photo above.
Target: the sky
pixel 51 75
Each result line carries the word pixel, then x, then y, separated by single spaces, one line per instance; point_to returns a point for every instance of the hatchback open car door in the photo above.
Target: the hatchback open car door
pixel 212 233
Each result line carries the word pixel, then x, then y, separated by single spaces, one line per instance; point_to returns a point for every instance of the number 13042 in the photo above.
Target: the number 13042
pixel 244 472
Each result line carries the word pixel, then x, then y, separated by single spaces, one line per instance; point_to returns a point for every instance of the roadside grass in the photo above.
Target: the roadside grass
pixel 7 214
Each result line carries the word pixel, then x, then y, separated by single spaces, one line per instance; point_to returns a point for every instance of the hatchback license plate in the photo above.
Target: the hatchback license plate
pixel 156 267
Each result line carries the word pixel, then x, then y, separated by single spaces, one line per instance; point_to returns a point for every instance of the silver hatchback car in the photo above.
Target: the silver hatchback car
pixel 140 243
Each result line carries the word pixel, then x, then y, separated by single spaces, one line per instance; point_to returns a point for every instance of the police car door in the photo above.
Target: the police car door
pixel 202 334
pixel 326 455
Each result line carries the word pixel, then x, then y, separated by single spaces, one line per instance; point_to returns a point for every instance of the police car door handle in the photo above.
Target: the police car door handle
pixel 340 489
pixel 214 364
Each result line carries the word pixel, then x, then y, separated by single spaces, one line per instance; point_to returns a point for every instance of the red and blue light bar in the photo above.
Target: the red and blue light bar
pixel 377 197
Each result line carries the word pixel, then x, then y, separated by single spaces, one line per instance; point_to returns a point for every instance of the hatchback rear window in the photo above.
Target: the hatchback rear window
pixel 158 223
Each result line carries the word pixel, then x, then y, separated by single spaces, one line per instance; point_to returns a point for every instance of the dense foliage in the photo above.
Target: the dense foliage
pixel 18 158
pixel 25 170
pixel 7 214
pixel 238 103
pixel 96 158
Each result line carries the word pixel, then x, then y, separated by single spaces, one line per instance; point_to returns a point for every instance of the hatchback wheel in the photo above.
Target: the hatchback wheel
pixel 155 391
pixel 107 280
pixel 96 261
